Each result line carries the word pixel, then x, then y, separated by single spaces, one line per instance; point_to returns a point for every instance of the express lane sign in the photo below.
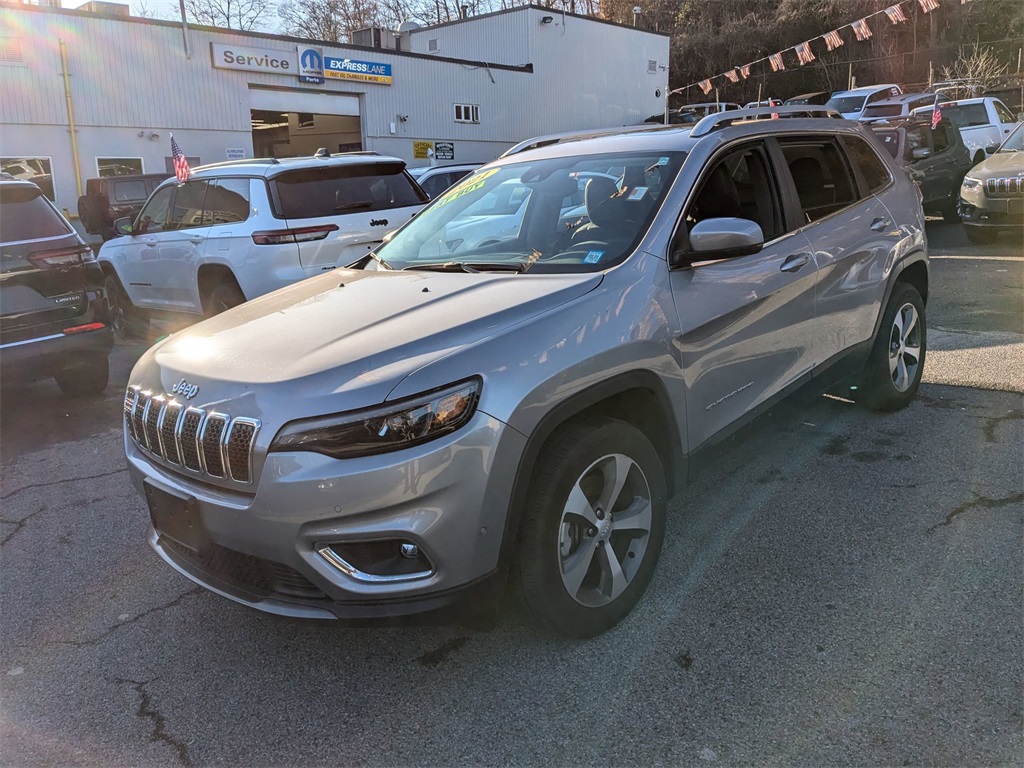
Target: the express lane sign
pixel 336 68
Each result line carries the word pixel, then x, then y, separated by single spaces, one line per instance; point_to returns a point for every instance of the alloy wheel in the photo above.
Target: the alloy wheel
pixel 904 348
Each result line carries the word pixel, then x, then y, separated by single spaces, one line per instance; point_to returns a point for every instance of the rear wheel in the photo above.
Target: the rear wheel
pixel 222 295
pixel 86 379
pixel 125 318
pixel 894 368
pixel 593 527
pixel 981 235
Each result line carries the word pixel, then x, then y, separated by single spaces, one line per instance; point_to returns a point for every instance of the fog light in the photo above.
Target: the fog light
pixel 378 561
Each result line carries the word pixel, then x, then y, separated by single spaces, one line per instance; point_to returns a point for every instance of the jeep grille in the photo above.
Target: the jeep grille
pixel 210 444
pixel 1006 187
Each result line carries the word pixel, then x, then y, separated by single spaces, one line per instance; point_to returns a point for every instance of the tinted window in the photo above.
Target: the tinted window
pixel 883 110
pixel 130 191
pixel 227 202
pixel 890 139
pixel 820 175
pixel 875 174
pixel 153 217
pixel 846 104
pixel 188 206
pixel 118 166
pixel 940 139
pixel 917 138
pixel 25 215
pixel 963 115
pixel 333 191
pixel 739 185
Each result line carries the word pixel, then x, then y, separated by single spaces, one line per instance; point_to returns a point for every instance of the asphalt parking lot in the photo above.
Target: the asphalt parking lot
pixel 843 588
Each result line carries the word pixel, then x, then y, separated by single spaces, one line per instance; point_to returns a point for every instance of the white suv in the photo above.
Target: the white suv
pixel 238 230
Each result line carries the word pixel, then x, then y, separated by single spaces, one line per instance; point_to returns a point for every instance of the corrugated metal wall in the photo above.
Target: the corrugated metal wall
pixel 501 38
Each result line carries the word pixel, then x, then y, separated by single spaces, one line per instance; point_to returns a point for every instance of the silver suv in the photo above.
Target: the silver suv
pixel 404 435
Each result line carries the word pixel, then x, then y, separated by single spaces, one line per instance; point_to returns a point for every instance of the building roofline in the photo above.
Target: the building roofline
pixel 551 11
pixel 14 5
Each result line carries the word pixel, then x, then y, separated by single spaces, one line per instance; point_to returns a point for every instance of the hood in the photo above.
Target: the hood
pixel 345 339
pixel 999 165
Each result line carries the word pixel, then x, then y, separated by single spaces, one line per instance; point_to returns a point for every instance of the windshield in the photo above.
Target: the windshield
pixel 1015 141
pixel 565 214
pixel 847 104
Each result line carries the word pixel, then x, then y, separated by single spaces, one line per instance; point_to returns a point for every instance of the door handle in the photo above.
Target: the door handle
pixel 880 224
pixel 196 239
pixel 794 262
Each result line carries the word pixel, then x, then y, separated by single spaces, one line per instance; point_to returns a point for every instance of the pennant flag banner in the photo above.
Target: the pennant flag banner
pixel 705 85
pixel 895 14
pixel 861 29
pixel 833 40
pixel 733 77
pixel 928 5
pixel 776 61
pixel 803 52
pixel 745 71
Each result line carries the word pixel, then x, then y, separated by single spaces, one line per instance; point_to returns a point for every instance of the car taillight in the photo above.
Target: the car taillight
pixel 62 257
pixel 301 235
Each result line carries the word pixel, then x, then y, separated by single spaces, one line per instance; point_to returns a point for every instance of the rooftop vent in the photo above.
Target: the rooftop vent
pixel 376 37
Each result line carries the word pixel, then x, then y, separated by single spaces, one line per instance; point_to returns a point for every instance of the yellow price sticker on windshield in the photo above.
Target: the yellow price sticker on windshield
pixel 467 185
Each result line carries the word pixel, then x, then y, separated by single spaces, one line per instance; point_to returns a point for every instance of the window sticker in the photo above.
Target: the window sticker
pixel 638 193
pixel 467 185
pixel 662 161
pixel 593 257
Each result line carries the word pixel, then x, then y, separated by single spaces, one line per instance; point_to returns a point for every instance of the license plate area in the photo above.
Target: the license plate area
pixel 177 518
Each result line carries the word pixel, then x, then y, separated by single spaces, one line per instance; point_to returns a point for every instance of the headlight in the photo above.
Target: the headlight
pixel 970 183
pixel 386 428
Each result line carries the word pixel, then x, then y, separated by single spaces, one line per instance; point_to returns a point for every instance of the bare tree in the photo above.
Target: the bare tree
pixel 233 14
pixel 978 68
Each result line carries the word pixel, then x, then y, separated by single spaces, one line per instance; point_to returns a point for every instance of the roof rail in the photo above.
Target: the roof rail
pixel 558 138
pixel 723 119
pixel 243 161
pixel 355 152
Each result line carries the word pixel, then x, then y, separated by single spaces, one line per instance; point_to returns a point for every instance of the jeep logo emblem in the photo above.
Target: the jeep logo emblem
pixel 378 222
pixel 186 390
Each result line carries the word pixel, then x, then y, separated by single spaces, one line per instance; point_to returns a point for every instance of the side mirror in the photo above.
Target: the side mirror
pixel 991 149
pixel 920 153
pixel 724 238
pixel 123 226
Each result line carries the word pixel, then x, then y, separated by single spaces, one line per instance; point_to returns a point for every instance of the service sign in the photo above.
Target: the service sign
pixel 254 59
pixel 336 68
pixel 311 65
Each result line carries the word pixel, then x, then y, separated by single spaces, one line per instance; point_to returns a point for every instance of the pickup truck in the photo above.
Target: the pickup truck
pixel 983 122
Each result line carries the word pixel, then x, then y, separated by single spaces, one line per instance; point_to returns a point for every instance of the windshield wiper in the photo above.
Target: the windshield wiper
pixel 468 266
pixel 353 206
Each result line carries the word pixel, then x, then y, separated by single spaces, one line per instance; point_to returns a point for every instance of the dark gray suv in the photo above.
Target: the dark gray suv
pixel 514 384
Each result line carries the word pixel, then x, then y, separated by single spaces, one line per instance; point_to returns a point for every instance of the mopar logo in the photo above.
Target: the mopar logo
pixel 311 65
pixel 186 390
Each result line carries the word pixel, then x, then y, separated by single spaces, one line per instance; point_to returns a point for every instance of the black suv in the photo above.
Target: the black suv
pixel 53 309
pixel 111 198
pixel 935 158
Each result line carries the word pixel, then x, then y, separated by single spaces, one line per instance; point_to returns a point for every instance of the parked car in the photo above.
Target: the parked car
pixel 110 198
pixel 936 159
pixel 675 117
pixel 240 229
pixel 897 106
pixel 819 98
pixel 436 179
pixel 400 437
pixel 1012 97
pixel 764 103
pixel 851 104
pixel 992 195
pixel 983 122
pixel 53 314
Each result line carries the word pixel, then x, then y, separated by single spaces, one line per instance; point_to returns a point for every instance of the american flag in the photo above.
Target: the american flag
pixel 861 29
pixel 705 85
pixel 776 61
pixel 181 169
pixel 936 116
pixel 803 52
pixel 928 5
pixel 745 71
pixel 832 39
pixel 732 76
pixel 895 14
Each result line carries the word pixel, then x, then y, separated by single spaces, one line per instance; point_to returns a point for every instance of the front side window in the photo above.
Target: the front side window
pixel 437 184
pixel 154 216
pixel 532 215
pixel 1003 113
pixel 118 166
pixel 188 206
pixel 820 175
pixel 331 191
pixel 867 162
pixel 940 139
pixel 739 185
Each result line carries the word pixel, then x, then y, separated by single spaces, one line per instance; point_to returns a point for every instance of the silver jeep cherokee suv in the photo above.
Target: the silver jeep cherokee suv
pixel 402 435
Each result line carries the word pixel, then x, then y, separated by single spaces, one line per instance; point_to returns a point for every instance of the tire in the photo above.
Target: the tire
pixel 979 156
pixel 567 523
pixel 981 235
pixel 87 379
pixel 950 211
pixel 126 320
pixel 894 368
pixel 222 296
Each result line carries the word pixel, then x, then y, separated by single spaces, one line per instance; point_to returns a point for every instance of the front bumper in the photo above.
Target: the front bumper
pixel 449 497
pixel 979 210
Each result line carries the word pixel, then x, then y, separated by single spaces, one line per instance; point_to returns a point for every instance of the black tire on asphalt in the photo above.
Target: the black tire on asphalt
pixel 878 390
pixel 225 294
pixel 950 211
pixel 126 320
pixel 981 235
pixel 578 446
pixel 87 378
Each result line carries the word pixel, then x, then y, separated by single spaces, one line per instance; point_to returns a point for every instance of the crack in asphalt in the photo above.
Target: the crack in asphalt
pixel 994 421
pixel 100 638
pixel 147 711
pixel 18 524
pixel 984 502
pixel 64 480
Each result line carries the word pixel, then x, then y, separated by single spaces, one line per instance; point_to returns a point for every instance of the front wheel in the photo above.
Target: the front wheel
pixel 86 379
pixel 894 368
pixel 127 321
pixel 593 527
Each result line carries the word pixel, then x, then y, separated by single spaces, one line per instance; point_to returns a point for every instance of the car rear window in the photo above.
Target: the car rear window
pixel 130 191
pixel 26 215
pixel 964 115
pixel 312 193
pixel 884 110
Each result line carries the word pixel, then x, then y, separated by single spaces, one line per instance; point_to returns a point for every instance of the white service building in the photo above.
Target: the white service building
pixel 84 94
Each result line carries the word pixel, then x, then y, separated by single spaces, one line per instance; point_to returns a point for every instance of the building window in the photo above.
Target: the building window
pixel 34 169
pixel 118 166
pixel 10 51
pixel 432 45
pixel 305 119
pixel 467 113
pixel 652 67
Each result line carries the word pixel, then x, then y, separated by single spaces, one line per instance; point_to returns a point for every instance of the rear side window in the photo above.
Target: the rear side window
pixel 227 202
pixel 26 215
pixel 864 159
pixel 313 193
pixel 820 175
pixel 890 139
